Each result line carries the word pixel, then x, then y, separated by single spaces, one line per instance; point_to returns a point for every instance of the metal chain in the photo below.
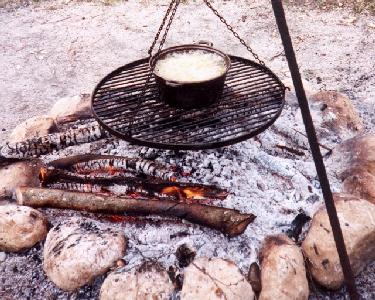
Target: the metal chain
pixel 172 9
pixel 161 27
pixel 234 32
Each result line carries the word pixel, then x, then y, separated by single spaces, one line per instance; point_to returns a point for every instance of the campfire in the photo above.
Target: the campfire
pixel 136 193
pixel 157 196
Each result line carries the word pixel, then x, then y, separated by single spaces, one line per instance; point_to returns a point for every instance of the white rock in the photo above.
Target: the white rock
pixel 357 219
pixel 33 127
pixel 215 278
pixel 19 174
pixel 78 250
pixel 21 227
pixel 283 273
pixel 68 106
pixel 150 281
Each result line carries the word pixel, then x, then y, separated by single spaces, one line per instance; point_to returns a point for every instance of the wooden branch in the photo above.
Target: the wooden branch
pixel 229 221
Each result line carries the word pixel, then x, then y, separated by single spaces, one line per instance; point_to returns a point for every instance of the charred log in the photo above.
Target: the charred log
pixel 149 187
pixel 229 221
pixel 36 147
pixel 92 163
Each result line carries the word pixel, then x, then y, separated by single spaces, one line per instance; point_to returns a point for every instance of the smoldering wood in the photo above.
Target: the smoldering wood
pixel 36 147
pixel 133 184
pixel 228 221
pixel 88 163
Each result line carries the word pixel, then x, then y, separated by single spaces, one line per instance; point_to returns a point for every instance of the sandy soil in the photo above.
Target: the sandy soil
pixel 51 50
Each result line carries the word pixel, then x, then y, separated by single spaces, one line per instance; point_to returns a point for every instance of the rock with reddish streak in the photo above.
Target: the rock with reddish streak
pixel 150 281
pixel 354 163
pixel 215 278
pixel 283 273
pixel 357 219
pixel 33 128
pixel 19 174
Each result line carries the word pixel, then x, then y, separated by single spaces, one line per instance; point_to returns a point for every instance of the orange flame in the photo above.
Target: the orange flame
pixel 185 193
pixel 111 170
pixel 194 193
pixel 42 174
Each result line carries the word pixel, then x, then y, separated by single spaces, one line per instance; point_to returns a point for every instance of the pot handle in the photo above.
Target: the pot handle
pixel 205 43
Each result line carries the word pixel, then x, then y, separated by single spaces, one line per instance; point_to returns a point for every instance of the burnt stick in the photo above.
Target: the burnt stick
pixel 89 162
pixel 52 175
pixel 36 147
pixel 228 221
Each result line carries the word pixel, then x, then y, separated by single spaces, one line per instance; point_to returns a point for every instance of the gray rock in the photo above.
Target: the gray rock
pixel 78 250
pixel 21 227
pixel 150 281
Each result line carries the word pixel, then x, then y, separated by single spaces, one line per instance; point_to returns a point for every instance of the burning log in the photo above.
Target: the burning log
pixel 148 187
pixel 229 221
pixel 36 147
pixel 92 163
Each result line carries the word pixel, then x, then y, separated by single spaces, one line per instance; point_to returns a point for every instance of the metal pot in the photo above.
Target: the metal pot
pixel 188 95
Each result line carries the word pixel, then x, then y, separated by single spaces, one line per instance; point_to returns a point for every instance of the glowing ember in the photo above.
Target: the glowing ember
pixel 120 219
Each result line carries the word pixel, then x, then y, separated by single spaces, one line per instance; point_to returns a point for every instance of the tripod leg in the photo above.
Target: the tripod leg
pixel 317 156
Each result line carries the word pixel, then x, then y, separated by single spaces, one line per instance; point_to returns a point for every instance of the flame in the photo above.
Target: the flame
pixel 194 192
pixel 43 174
pixel 185 193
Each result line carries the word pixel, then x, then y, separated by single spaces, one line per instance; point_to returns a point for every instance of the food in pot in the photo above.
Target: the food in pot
pixel 190 66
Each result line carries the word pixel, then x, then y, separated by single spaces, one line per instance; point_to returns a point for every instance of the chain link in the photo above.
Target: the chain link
pixel 171 12
pixel 234 32
pixel 161 27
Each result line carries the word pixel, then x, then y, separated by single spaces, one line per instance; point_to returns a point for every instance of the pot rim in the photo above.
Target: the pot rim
pixel 153 60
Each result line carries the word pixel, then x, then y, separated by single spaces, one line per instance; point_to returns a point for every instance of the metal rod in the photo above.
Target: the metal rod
pixel 314 145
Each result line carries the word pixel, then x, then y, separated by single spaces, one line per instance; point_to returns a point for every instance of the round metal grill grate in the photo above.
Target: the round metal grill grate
pixel 252 100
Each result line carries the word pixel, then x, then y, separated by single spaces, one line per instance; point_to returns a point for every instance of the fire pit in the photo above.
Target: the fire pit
pixel 160 190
